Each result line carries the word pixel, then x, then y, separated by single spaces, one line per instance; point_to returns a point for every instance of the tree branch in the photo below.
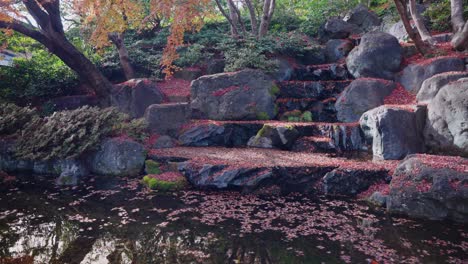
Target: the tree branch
pixel 24 29
pixel 37 13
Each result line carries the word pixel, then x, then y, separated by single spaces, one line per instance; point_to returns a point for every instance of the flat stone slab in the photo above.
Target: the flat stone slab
pixel 250 170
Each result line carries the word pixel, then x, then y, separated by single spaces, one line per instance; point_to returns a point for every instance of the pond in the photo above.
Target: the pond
pixel 117 221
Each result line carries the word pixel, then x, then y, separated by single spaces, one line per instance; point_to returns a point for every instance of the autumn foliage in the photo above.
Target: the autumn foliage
pixel 110 16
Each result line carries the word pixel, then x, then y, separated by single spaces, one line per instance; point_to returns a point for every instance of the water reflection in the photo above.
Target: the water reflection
pixel 121 223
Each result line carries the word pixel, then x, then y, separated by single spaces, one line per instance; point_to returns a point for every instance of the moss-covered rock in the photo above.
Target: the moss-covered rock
pixel 168 181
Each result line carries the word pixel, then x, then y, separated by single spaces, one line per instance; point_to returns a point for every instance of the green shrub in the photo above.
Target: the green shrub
pixel 135 129
pixel 439 15
pixel 192 55
pixel 14 118
pixel 297 116
pixel 67 134
pixel 306 116
pixel 36 79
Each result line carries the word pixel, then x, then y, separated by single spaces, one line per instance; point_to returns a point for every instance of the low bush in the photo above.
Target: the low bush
pixel 38 78
pixel 14 118
pixel 67 134
pixel 439 15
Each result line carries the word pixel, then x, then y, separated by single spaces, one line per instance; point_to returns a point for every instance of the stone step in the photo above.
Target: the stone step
pixel 203 133
pixel 319 90
pixel 251 170
pixel 321 72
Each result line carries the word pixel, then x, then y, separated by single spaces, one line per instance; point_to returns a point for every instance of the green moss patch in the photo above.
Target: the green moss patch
pixel 168 181
pixel 152 167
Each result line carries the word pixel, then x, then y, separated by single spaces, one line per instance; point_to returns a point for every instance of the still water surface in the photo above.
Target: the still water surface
pixel 117 221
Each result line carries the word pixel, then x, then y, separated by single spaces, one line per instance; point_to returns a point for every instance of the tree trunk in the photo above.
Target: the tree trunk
pixel 418 21
pixel 253 17
pixel 86 70
pixel 50 33
pixel 234 31
pixel 460 27
pixel 268 10
pixel 118 40
pixel 234 18
pixel 402 11
pixel 460 39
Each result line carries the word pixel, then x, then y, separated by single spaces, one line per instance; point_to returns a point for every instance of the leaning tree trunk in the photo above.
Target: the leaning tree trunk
pixel 419 22
pixel 118 40
pixel 233 25
pixel 402 11
pixel 50 33
pixel 460 26
pixel 86 70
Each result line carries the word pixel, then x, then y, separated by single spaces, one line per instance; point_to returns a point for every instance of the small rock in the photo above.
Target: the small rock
pixel 362 17
pixel 378 199
pixel 273 136
pixel 337 49
pixel 336 28
pixel 164 142
pixel 346 182
pixel 134 96
pixel 167 119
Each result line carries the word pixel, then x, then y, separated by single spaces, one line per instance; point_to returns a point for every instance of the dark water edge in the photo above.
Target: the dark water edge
pixel 117 221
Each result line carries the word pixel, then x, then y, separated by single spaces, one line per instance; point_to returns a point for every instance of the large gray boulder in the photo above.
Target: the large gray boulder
pixel 118 157
pixel 378 55
pixel 390 139
pixel 432 187
pixel 447 120
pixel 414 75
pixel 430 87
pixel 360 96
pixel 134 96
pixel 362 17
pixel 336 49
pixel 244 95
pixel 167 119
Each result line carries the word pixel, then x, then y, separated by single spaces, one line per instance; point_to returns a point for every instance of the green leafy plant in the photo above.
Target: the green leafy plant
pixel 40 77
pixel 439 15
pixel 14 118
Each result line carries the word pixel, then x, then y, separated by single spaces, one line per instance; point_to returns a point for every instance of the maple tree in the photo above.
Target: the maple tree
pixel 112 18
pixel 109 17
pixel 48 30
